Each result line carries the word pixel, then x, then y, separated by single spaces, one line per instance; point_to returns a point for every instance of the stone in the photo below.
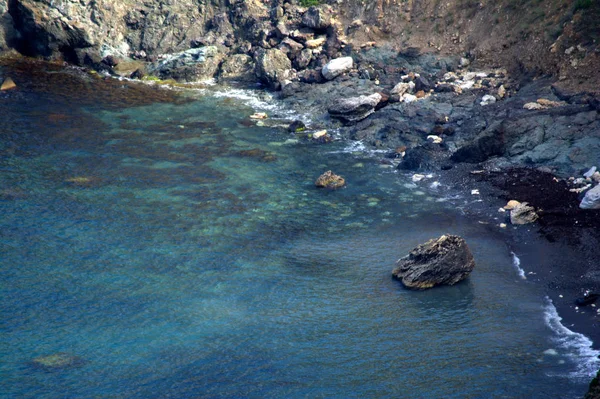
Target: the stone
pixel 238 67
pixel 336 67
pixel 319 134
pixel 523 214
pixel 315 43
pixel 296 127
pixel 259 115
pixel 511 205
pixel 590 172
pixel 189 65
pixel 316 18
pixel 402 88
pixel 57 361
pixel 434 139
pixel 330 180
pixel 464 62
pixel 303 59
pixel 501 91
pixel 591 200
pixel 272 67
pixel 8 84
pixel 354 109
pixel 442 261
pixel 487 99
pixel 533 106
pixel 128 67
pixel 422 84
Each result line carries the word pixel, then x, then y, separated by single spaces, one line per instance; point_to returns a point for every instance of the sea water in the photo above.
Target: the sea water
pixel 182 251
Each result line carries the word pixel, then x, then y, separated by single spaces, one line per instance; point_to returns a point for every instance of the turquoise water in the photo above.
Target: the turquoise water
pixel 183 251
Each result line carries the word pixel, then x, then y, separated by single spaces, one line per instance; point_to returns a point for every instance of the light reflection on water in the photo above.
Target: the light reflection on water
pixel 182 254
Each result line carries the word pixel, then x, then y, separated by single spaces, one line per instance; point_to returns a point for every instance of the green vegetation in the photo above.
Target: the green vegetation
pixel 308 3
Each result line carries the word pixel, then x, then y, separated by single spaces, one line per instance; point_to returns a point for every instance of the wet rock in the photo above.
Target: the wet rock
pixel 421 158
pixel 523 214
pixel 316 18
pixel 489 143
pixel 189 65
pixel 238 67
pixel 591 200
pixel 443 261
pixel 355 108
pixel 272 67
pixel 296 127
pixel 57 361
pixel 337 67
pixel 8 84
pixel 330 180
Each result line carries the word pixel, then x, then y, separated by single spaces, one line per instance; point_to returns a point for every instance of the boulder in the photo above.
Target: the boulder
pixel 330 180
pixel 422 84
pixel 591 200
pixel 272 67
pixel 238 67
pixel 523 214
pixel 442 261
pixel 316 18
pixel 189 65
pixel 354 109
pixel 336 67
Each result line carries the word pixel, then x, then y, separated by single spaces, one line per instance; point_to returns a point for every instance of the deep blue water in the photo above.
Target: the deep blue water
pixel 183 252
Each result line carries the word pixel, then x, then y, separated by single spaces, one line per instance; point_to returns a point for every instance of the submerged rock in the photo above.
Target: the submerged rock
pixel 330 180
pixel 57 361
pixel 354 109
pixel 443 261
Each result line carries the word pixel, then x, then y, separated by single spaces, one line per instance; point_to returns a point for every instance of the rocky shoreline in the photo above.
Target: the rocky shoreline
pixel 487 128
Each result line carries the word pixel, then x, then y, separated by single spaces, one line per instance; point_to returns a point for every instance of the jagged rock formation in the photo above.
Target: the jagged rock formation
pixel 446 260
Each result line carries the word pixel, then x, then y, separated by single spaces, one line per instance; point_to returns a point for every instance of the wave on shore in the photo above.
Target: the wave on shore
pixel 575 346
pixel 517 265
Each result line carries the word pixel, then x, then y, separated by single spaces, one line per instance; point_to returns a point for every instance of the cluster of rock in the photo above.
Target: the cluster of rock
pixel 590 185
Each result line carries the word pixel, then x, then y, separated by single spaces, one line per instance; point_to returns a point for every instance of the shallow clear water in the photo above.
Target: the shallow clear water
pixel 183 252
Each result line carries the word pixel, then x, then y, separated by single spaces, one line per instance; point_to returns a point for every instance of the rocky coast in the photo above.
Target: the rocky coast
pixel 500 102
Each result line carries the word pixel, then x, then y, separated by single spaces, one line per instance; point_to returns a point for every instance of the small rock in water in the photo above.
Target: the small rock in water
pixel 434 139
pixel 550 352
pixel 502 225
pixel 445 260
pixel 57 361
pixel 318 134
pixel 475 192
pixel 8 84
pixel 330 180
pixel 296 127
pixel 523 214
pixel 259 115
pixel 417 178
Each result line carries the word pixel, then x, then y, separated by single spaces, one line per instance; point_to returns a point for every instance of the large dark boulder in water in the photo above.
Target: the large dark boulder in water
pixel 445 260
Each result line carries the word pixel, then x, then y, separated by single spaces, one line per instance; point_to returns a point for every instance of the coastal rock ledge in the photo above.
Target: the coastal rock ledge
pixel 445 260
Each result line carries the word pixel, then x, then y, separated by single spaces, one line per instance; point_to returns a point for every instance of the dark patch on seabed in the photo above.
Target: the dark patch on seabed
pixel 157 245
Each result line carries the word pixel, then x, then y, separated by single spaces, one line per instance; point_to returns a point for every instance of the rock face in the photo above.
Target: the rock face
pixel 591 200
pixel 190 65
pixel 330 180
pixel 355 108
pixel 446 260
pixel 337 67
pixel 272 67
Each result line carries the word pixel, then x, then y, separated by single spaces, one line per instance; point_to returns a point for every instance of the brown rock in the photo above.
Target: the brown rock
pixel 8 84
pixel 330 180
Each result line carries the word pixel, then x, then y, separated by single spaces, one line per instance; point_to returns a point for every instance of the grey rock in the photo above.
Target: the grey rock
pixel 591 200
pixel 355 108
pixel 316 18
pixel 190 65
pixel 590 172
pixel 238 67
pixel 303 59
pixel 272 67
pixel 443 261
pixel 336 67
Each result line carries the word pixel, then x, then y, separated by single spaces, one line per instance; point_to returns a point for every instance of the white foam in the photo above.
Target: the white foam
pixel 517 265
pixel 574 346
pixel 252 99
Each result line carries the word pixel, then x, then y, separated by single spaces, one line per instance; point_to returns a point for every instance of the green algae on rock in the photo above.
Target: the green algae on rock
pixel 330 180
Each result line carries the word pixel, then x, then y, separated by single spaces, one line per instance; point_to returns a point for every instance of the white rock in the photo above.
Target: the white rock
pixel 434 139
pixel 591 200
pixel 570 50
pixel 503 225
pixel 408 98
pixel 590 172
pixel 467 85
pixel 417 177
pixel 533 106
pixel 487 99
pixel 402 88
pixel 501 91
pixel 318 134
pixel 475 192
pixel 464 62
pixel 337 67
